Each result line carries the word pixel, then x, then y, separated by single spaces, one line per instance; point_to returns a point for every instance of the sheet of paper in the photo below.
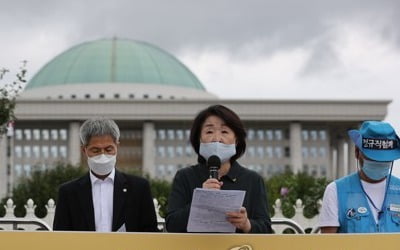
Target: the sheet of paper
pixel 209 207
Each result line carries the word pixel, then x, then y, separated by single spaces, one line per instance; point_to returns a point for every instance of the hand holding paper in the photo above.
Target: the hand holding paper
pixel 208 212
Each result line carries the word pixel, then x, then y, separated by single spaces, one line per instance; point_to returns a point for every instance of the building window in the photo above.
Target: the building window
pixel 304 151
pixel 270 152
pixel 18 170
pixel 36 151
pixel 304 134
pixel 161 134
pixel 54 134
pixel 54 151
pixel 171 169
pixel 187 134
pixel 18 151
pixel 27 170
pixel 171 151
pixel 250 134
pixel 260 152
pixel 278 135
pixel 251 151
pixel 323 170
pixel 18 134
pixel 188 150
pixel 45 151
pixel 322 152
pixel 270 135
pixel 27 134
pixel 286 134
pixel 313 135
pixel 45 134
pixel 322 135
pixel 63 152
pixel 179 151
pixel 314 171
pixel 287 152
pixel 161 170
pixel 63 134
pixel 179 134
pixel 36 134
pixel 278 152
pixel 161 151
pixel 313 152
pixel 260 134
pixel 27 151
pixel 171 134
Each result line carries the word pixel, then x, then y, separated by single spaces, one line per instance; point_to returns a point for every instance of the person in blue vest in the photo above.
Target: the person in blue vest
pixel 367 201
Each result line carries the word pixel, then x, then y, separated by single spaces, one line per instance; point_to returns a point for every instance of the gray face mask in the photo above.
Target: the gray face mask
pixel 223 151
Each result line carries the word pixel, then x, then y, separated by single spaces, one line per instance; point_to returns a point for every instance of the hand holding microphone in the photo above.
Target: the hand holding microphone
pixel 213 164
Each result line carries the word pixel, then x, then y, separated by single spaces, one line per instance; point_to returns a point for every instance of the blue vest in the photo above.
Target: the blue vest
pixel 355 215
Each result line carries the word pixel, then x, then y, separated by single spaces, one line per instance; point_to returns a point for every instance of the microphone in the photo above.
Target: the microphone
pixel 213 164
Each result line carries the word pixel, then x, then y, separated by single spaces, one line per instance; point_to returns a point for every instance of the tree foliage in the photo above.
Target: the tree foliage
pixel 42 186
pixel 289 187
pixel 8 92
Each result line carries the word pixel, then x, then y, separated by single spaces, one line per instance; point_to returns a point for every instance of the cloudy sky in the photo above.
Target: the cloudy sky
pixel 308 49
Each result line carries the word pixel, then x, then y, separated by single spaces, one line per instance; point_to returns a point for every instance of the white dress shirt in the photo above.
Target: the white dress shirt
pixel 103 195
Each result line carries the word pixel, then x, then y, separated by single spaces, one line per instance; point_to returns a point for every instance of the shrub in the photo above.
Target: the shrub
pixel 289 187
pixel 42 186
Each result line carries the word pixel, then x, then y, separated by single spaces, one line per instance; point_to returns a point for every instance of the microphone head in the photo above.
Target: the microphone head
pixel 214 161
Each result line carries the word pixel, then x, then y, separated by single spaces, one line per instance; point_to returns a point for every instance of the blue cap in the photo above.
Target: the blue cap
pixel 377 140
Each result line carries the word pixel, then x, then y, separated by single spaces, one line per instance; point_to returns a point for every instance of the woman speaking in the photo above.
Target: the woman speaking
pixel 218 131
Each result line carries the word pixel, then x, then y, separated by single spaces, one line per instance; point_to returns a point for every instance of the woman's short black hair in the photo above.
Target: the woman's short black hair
pixel 230 118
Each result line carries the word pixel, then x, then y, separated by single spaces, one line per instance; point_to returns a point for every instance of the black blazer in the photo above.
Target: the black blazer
pixel 133 205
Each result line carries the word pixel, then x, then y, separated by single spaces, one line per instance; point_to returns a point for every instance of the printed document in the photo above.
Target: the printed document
pixel 209 207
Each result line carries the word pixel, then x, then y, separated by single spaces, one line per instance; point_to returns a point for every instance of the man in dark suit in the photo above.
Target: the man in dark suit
pixel 104 200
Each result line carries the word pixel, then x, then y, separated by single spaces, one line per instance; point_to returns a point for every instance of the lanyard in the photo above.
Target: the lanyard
pixel 380 211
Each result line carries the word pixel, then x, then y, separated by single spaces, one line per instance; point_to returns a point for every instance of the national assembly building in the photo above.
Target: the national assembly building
pixel 153 97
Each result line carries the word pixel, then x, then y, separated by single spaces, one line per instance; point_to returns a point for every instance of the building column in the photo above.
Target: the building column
pixel 352 162
pixel 74 144
pixel 296 158
pixel 3 166
pixel 342 166
pixel 149 136
pixel 333 161
pixel 328 159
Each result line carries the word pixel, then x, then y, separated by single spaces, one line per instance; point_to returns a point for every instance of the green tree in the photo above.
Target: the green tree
pixel 43 185
pixel 40 187
pixel 8 93
pixel 160 190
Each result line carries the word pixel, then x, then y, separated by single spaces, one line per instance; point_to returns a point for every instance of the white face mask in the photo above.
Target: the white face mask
pixel 223 151
pixel 102 164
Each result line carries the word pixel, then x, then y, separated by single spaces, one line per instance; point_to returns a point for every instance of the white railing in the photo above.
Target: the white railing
pixel 298 223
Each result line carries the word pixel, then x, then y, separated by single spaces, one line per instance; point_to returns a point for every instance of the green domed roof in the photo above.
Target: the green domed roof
pixel 115 61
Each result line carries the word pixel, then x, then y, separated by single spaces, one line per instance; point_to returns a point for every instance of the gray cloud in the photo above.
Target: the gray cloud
pixel 178 24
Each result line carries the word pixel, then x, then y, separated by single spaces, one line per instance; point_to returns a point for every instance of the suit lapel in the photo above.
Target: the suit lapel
pixel 86 201
pixel 120 190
